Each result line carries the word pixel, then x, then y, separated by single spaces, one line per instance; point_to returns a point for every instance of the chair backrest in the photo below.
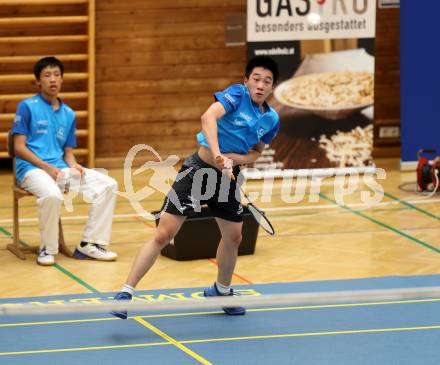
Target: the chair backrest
pixel 11 151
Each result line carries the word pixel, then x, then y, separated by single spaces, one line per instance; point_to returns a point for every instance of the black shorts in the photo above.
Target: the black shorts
pixel 199 183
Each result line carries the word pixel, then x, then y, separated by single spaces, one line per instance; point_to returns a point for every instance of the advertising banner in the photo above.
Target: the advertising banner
pixel 325 93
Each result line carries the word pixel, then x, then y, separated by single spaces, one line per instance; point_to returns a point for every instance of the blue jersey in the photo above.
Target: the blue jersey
pixel 47 132
pixel 244 125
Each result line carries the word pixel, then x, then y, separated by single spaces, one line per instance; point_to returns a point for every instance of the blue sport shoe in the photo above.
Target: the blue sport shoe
pixel 122 295
pixel 212 291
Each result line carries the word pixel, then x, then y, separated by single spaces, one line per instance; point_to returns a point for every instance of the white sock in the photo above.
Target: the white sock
pixel 128 289
pixel 224 290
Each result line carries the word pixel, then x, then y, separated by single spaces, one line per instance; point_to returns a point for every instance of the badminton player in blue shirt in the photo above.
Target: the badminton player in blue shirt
pixel 235 129
pixel 44 138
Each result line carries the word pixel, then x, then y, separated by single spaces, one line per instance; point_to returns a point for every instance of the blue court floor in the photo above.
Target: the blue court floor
pixel 393 332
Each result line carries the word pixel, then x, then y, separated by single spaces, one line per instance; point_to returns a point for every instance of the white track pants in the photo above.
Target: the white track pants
pixel 96 188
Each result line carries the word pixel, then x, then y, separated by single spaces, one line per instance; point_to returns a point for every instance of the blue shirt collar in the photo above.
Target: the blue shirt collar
pixel 48 103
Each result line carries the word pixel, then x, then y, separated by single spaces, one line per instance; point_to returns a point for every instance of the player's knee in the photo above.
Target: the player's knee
pixel 235 238
pixel 111 184
pixel 52 198
pixel 163 237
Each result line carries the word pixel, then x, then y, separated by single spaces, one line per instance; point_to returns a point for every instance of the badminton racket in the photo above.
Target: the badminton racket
pixel 259 216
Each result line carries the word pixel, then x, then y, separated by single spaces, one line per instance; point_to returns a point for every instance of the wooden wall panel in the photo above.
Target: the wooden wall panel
pixel 28 10
pixel 31 29
pixel 158 63
pixel 387 81
pixel 172 5
pixel 42 48
pixel 186 73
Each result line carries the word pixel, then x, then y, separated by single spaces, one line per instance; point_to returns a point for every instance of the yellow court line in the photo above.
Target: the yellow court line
pixel 186 314
pixel 307 334
pixel 19 324
pixel 91 348
pixel 221 339
pixel 367 304
pixel 176 343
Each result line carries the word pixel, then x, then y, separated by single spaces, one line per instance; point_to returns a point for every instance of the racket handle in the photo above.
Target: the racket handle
pixel 220 160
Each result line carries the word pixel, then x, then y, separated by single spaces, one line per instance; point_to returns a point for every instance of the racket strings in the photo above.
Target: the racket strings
pixel 261 219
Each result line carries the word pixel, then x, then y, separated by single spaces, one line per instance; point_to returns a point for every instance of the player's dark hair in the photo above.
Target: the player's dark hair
pixel 45 62
pixel 264 62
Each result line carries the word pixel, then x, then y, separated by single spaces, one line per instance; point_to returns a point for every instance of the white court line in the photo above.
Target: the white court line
pixel 274 209
pixel 144 229
pixel 357 205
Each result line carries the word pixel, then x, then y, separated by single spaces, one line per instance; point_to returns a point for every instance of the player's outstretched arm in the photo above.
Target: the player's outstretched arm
pixel 210 131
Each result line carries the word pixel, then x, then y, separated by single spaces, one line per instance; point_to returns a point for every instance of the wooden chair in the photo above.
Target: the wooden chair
pixel 16 247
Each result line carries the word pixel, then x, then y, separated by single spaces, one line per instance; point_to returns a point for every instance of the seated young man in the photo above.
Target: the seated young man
pixel 44 138
pixel 235 129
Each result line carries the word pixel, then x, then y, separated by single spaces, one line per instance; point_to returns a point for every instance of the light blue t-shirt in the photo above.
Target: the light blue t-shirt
pixel 244 125
pixel 47 132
